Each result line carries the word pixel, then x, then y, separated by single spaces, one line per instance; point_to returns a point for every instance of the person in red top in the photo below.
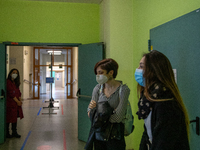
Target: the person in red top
pixel 13 103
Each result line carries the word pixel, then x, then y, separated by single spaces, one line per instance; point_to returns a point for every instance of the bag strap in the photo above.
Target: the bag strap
pixel 101 89
pixel 120 90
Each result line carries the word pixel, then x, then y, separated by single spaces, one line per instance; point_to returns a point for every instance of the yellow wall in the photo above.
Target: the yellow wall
pixel 117 33
pixel 48 22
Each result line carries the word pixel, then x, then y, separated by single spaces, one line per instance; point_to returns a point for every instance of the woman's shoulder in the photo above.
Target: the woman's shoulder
pixel 9 82
pixel 124 86
pixel 160 91
pixel 97 88
pixel 167 108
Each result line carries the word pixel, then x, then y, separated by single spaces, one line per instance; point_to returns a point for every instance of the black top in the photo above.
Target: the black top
pixel 167 123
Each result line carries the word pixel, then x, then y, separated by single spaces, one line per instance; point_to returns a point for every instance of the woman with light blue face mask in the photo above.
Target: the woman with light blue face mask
pixel 139 73
pixel 107 90
pixel 160 105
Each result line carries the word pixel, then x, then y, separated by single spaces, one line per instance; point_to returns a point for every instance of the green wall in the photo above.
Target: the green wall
pixel 148 14
pixel 121 45
pixel 48 22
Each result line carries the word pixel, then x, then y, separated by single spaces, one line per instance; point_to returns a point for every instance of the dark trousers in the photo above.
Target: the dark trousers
pixel 14 128
pixel 111 144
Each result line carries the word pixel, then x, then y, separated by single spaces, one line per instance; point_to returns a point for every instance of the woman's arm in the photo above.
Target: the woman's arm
pixel 91 106
pixel 20 99
pixel 19 103
pixel 120 111
pixel 95 97
pixel 10 90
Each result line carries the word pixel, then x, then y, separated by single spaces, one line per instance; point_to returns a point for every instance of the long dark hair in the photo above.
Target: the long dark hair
pixel 17 79
pixel 157 68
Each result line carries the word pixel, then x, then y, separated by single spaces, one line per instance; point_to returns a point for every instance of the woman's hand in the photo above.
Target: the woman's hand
pixel 92 104
pixel 19 103
pixel 88 114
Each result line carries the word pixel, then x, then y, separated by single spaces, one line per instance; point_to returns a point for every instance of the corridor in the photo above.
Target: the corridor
pixel 40 131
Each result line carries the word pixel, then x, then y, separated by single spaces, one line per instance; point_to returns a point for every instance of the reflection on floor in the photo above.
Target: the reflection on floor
pixel 57 93
pixel 47 132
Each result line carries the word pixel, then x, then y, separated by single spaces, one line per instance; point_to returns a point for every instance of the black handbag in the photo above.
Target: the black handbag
pixel 102 125
pixel 103 113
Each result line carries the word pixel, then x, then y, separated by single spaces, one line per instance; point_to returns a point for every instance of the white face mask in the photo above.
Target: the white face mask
pixel 101 79
pixel 14 75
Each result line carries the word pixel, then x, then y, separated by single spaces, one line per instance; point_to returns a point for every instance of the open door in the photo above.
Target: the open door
pixel 2 92
pixel 179 40
pixel 88 56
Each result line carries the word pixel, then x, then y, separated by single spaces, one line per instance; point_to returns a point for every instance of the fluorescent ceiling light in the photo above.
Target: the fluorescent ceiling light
pixel 54 52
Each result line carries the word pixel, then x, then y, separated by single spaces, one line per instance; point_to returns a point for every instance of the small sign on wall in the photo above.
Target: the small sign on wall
pixel 12 61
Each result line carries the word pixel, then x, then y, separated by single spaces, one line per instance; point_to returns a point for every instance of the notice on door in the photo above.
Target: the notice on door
pixel 175 74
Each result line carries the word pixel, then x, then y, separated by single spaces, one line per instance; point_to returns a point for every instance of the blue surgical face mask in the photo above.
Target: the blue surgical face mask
pixel 139 77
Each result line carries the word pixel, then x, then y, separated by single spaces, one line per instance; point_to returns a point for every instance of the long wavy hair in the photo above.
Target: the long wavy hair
pixel 17 79
pixel 157 68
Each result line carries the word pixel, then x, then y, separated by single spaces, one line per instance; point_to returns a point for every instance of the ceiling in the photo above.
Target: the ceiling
pixel 73 1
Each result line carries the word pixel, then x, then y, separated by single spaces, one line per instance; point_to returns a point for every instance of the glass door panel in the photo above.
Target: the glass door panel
pixel 69 57
pixel 61 59
pixel 36 56
pixel 43 86
pixel 36 73
pixel 69 91
pixel 36 83
pixel 45 58
pixel 69 87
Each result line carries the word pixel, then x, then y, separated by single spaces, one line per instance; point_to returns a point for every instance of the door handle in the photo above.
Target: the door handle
pixel 197 124
pixel 78 94
pixel 84 96
pixel 2 94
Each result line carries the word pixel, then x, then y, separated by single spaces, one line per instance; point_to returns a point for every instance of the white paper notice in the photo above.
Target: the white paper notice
pixel 175 74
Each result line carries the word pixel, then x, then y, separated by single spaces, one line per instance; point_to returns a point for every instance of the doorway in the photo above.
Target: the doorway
pixel 22 57
pixel 62 70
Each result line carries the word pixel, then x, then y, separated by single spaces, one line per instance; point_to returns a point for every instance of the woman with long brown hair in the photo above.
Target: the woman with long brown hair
pixel 13 103
pixel 166 122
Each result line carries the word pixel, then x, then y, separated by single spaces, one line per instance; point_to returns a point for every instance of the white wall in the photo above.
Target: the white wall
pixel 20 57
pixel 16 61
pixel 28 71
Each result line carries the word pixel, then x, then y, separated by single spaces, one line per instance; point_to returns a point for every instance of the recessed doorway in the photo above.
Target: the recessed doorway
pixel 62 71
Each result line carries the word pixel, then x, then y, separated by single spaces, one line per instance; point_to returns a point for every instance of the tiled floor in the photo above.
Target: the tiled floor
pixel 47 132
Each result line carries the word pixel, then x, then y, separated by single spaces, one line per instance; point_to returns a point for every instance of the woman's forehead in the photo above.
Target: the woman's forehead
pixel 142 60
pixel 14 71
